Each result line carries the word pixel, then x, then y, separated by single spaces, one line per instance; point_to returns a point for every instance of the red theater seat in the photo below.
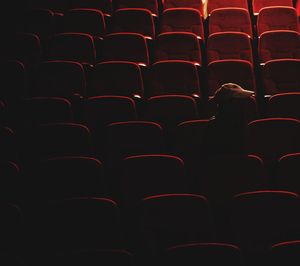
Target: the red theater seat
pixel 229 45
pixel 135 20
pixel 65 177
pixel 175 77
pixel 59 79
pixel 277 18
pixel 151 5
pixel 262 218
pixel 101 111
pixel 281 75
pixel 173 219
pixel 104 6
pixel 196 4
pixel 257 5
pixel 215 4
pixel 272 138
pixel 178 46
pixel 182 19
pixel 131 138
pixel 224 176
pixel 117 78
pixel 60 139
pixel 279 44
pixel 149 175
pixel 39 110
pixel 77 47
pixel 84 20
pixel 130 47
pixel 284 105
pixel 171 110
pixel 230 19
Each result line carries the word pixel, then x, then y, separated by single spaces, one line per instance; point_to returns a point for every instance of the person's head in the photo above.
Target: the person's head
pixel 231 100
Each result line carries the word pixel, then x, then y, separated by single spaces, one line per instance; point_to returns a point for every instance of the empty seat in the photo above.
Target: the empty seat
pixel 105 6
pixel 151 5
pixel 130 47
pixel 215 4
pixel 125 139
pixel 60 139
pixel 285 253
pixel 277 18
pixel 224 176
pixel 100 111
pixel 82 223
pixel 229 45
pixel 14 76
pixel 287 175
pixel 281 75
pixel 257 5
pixel 39 110
pixel 40 21
pixel 189 139
pixel 182 20
pixel 64 177
pixel 272 138
pixel 136 20
pixel 196 4
pixel 284 105
pixel 24 47
pixel 279 44
pixel 171 110
pixel 175 77
pixel 262 218
pixel 84 20
pixel 172 219
pixel 178 46
pixel 59 79
pixel 230 19
pixel 117 78
pixel 148 175
pixel 78 47
pixel 236 71
pixel 213 253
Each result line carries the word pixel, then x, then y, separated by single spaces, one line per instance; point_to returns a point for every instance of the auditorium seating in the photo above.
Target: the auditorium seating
pixel 182 19
pixel 107 154
pixel 271 45
pixel 135 20
pixel 230 19
pixel 277 18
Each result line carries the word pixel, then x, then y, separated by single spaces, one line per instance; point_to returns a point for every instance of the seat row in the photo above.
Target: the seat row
pixel 139 176
pixel 69 79
pixel 157 6
pixel 91 21
pixel 172 223
pixel 268 138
